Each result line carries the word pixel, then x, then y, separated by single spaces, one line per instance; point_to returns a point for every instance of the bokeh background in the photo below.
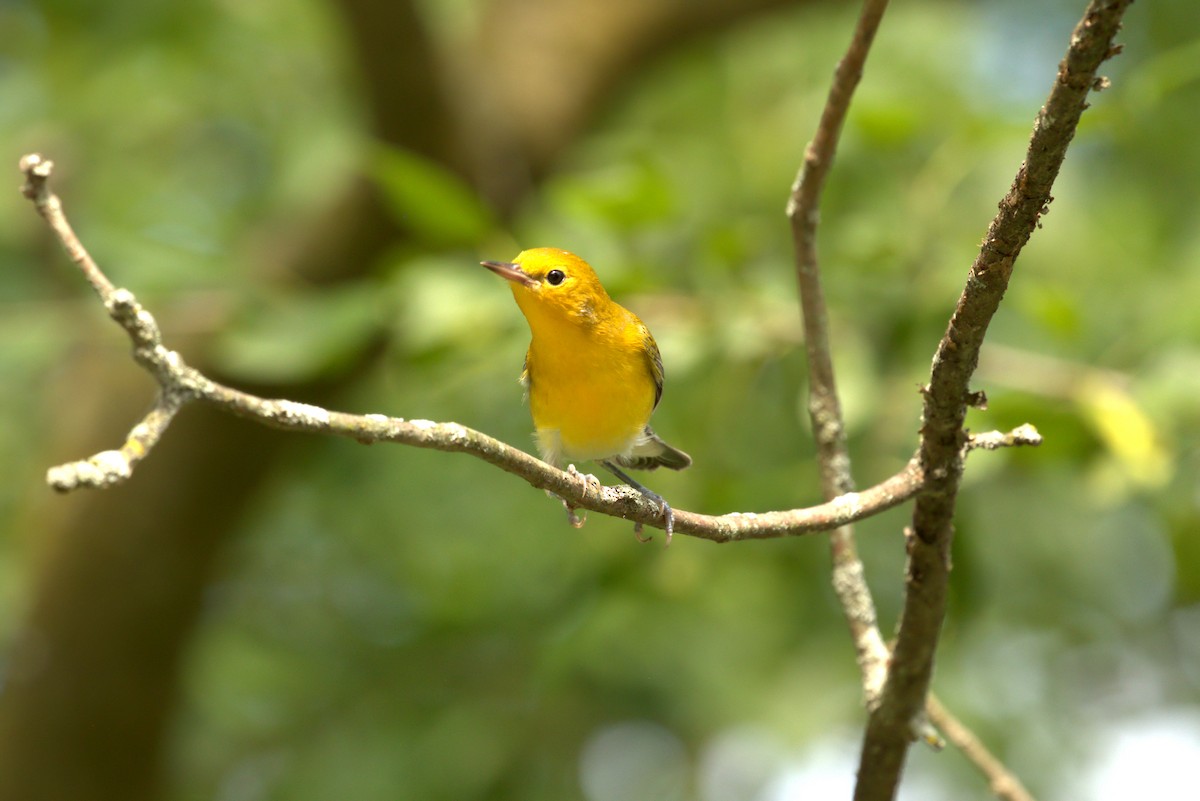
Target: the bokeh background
pixel 301 191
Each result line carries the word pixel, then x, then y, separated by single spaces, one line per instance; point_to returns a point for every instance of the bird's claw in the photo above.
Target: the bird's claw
pixel 588 481
pixel 575 520
pixel 668 528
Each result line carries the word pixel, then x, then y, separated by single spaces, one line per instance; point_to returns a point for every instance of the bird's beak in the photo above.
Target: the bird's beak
pixel 512 272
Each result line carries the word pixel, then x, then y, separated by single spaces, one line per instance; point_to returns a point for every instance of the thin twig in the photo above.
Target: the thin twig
pixel 1021 435
pixel 36 170
pixel 1003 783
pixel 824 407
pixel 943 437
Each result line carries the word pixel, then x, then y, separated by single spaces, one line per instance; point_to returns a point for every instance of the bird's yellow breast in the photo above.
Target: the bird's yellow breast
pixel 591 389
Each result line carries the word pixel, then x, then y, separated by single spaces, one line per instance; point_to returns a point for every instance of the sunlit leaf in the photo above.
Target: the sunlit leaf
pixel 1128 431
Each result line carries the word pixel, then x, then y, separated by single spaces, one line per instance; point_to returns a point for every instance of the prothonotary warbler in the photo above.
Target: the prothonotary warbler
pixel 593 374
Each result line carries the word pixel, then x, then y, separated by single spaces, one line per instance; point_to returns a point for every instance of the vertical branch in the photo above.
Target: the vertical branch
pixel 824 408
pixel 943 438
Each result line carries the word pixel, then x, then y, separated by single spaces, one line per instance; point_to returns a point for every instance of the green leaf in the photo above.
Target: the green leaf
pixel 432 202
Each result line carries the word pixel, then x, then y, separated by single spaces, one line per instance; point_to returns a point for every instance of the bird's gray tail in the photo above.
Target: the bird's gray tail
pixel 652 452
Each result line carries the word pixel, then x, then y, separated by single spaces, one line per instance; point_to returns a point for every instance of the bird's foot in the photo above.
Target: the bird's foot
pixel 663 506
pixel 668 513
pixel 575 520
pixel 588 481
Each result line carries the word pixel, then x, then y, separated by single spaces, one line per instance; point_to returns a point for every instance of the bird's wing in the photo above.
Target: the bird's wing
pixel 526 378
pixel 653 361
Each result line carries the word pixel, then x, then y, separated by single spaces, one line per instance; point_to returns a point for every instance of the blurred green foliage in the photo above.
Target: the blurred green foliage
pixel 394 623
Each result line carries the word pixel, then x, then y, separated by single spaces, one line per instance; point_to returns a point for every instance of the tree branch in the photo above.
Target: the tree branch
pixel 181 384
pixel 943 437
pixel 824 406
pixel 992 440
pixel 1001 781
pixel 848 578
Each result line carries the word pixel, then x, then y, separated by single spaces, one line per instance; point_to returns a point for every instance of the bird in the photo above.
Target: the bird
pixel 593 374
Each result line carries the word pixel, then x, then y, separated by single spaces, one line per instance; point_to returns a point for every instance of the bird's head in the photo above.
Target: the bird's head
pixel 549 283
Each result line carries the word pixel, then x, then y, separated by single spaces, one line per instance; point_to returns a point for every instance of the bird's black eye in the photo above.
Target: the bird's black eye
pixel 555 277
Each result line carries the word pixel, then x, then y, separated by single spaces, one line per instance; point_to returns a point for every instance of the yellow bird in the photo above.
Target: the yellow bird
pixel 593 374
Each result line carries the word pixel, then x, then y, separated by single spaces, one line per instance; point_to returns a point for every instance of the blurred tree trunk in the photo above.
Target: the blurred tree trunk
pixel 94 676
pixel 95 672
pixel 540 71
